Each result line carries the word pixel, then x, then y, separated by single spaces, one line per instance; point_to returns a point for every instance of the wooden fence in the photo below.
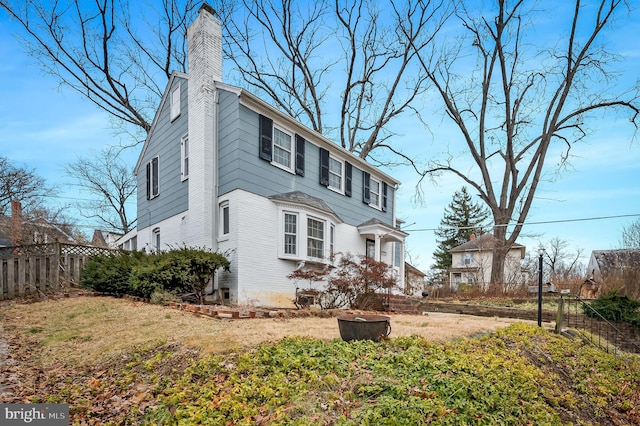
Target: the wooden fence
pixel 40 269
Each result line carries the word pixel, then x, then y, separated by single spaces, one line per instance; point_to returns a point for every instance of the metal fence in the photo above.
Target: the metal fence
pixel 576 316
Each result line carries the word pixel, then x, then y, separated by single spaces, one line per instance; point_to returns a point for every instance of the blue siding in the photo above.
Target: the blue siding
pixel 241 168
pixel 164 143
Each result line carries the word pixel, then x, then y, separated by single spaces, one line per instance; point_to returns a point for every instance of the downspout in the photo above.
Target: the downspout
pixel 215 204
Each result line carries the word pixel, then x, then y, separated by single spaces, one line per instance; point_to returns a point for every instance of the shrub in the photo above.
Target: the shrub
pixel 184 271
pixel 614 307
pixel 110 274
pixel 355 282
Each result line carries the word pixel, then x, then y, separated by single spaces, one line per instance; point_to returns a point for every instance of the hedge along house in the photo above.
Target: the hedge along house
pixel 223 169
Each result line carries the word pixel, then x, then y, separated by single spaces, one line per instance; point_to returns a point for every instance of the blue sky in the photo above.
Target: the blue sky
pixel 45 127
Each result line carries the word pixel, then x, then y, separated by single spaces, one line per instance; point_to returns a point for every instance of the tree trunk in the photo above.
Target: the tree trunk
pixel 500 251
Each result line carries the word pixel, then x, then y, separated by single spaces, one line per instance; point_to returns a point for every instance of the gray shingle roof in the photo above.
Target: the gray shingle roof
pixel 483 242
pixel 299 197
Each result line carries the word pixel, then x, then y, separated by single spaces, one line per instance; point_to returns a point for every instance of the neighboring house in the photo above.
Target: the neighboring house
pixel 222 169
pixel 414 280
pixel 609 264
pixel 33 231
pixel 471 262
pixel 107 239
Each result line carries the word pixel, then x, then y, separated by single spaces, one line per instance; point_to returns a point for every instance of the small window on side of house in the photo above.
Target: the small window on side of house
pixel 153 167
pixel 184 154
pixel 224 218
pixel 175 103
pixel 156 239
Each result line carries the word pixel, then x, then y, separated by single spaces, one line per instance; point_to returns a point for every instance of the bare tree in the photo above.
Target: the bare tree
pixel 357 58
pixel 20 184
pixel 522 102
pixel 562 264
pixel 113 183
pixel 630 238
pixel 94 48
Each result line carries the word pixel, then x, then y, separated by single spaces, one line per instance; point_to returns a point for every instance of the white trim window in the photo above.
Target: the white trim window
pixel 282 148
pixel 315 238
pixel 153 179
pixel 305 236
pixel 468 258
pixel 375 189
pixel 175 103
pixel 184 157
pixel 156 239
pixel 336 170
pixel 225 224
pixel 290 234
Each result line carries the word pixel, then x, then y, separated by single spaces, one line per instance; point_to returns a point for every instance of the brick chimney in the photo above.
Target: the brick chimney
pixel 472 237
pixel 204 38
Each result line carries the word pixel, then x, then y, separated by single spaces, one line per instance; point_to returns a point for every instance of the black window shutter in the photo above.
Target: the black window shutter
pixel 324 167
pixel 348 170
pixel 148 181
pixel 366 192
pixel 266 138
pixel 384 196
pixel 299 155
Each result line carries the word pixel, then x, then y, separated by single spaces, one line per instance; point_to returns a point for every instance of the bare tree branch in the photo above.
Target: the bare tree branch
pixel 520 101
pixel 111 181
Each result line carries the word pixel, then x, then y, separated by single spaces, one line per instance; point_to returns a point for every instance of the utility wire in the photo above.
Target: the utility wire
pixel 526 223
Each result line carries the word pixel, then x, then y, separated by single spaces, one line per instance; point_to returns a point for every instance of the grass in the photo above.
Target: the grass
pixel 85 330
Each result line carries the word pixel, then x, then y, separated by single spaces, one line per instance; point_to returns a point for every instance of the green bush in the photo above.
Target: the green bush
pixel 110 274
pixel 183 271
pixel 615 307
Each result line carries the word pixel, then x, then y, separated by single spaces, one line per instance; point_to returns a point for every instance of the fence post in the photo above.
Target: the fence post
pixel 56 266
pixel 559 315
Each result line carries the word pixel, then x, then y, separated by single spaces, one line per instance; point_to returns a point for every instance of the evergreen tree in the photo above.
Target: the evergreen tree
pixel 462 218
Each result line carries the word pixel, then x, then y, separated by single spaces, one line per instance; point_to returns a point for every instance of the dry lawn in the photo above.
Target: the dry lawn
pixel 84 330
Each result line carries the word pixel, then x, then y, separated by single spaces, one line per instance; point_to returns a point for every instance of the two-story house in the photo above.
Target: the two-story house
pixel 471 262
pixel 222 169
